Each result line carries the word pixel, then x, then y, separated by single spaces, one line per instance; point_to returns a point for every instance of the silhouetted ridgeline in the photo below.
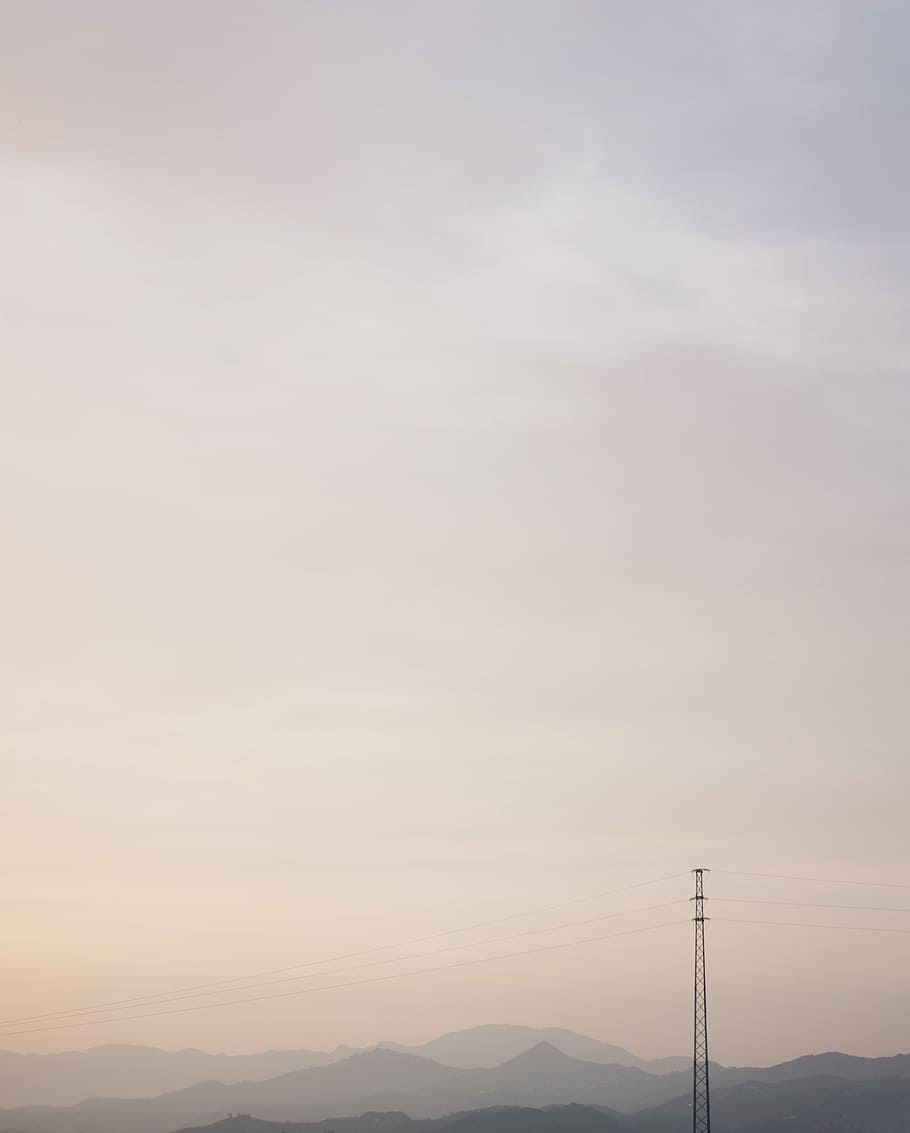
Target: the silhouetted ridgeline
pixel 144 1071
pixel 136 1072
pixel 508 1119
pixel 409 1090
pixel 811 1105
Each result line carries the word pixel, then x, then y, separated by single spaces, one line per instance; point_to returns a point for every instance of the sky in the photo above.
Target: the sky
pixel 454 461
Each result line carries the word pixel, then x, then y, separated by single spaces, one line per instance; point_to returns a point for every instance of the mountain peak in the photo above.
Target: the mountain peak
pixel 542 1054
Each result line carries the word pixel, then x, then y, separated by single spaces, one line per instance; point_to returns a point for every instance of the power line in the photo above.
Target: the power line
pixel 817 880
pixel 150 999
pixel 160 1001
pixel 814 905
pixel 353 983
pixel 813 924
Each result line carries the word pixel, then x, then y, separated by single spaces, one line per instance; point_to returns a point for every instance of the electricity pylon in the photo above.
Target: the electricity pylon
pixel 701 1097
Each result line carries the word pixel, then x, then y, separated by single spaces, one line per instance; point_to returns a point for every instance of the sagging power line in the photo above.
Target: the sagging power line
pixel 79 1017
pixel 816 924
pixel 161 1001
pixel 813 905
pixel 816 880
pixel 354 983
pixel 225 984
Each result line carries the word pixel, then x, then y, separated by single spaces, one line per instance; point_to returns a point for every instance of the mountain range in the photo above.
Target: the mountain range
pixel 492 1044
pixel 144 1071
pixel 385 1081
pixel 804 1105
pixel 136 1071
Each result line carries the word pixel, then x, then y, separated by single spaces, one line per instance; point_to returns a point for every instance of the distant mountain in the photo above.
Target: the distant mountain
pixel 810 1105
pixel 376 1080
pixel 135 1071
pixel 384 1081
pixel 799 1105
pixel 379 1080
pixel 494 1043
pixel 543 1076
pixel 832 1064
pixel 144 1072
pixel 507 1119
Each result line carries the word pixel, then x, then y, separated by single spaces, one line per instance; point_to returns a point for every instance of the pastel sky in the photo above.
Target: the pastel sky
pixel 455 459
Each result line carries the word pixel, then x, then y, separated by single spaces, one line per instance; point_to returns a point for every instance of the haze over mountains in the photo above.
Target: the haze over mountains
pixel 491 1044
pixel 135 1071
pixel 143 1071
pixel 807 1105
pixel 396 1082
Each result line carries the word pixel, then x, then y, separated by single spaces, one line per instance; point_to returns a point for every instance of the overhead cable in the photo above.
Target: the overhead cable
pixel 225 984
pixel 82 1012
pixel 353 983
pixel 816 880
pixel 814 924
pixel 813 905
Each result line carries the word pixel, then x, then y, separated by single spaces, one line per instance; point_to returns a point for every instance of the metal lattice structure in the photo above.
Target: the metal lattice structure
pixel 701 1097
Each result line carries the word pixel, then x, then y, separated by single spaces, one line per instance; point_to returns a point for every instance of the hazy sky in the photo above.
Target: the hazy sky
pixel 455 459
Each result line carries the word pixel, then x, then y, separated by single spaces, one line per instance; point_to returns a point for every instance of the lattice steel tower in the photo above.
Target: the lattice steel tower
pixel 701 1098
